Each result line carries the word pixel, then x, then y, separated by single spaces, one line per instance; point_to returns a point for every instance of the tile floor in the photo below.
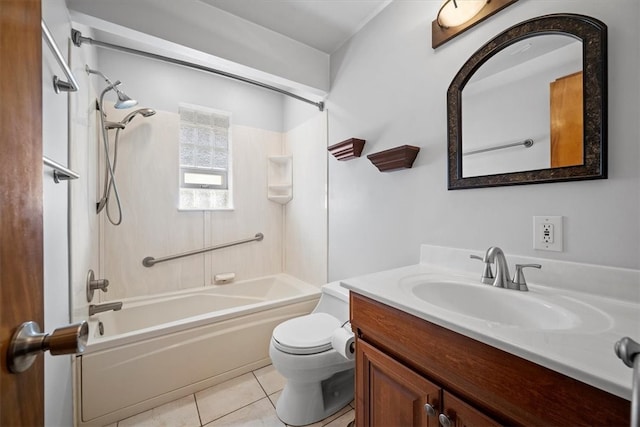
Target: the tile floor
pixel 248 400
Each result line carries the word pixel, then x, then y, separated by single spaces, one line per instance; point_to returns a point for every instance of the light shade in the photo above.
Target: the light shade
pixel 456 12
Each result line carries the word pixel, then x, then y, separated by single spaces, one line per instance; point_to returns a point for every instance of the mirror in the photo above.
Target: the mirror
pixel 533 101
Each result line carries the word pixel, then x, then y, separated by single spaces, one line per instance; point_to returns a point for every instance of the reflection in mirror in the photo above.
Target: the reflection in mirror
pixel 512 99
pixel 530 106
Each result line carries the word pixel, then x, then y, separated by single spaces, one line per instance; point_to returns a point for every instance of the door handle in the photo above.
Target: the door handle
pixel 27 342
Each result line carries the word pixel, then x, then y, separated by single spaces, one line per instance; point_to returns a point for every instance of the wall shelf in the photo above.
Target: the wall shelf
pixel 348 149
pixel 401 157
pixel 280 179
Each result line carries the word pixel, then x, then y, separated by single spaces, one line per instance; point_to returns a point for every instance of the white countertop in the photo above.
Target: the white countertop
pixel 585 353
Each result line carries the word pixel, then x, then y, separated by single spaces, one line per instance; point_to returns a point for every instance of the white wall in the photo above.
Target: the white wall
pixel 83 154
pixel 389 87
pixel 305 232
pixel 160 85
pixel 57 381
pixel 196 25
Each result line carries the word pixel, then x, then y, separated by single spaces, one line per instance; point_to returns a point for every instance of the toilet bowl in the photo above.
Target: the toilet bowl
pixel 319 379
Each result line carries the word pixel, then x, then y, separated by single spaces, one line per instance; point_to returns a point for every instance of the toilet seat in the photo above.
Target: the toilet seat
pixel 308 334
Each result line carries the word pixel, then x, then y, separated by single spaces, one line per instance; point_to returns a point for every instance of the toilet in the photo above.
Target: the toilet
pixel 319 379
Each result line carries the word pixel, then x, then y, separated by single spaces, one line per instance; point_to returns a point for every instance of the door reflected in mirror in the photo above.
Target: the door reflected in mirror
pixel 522 108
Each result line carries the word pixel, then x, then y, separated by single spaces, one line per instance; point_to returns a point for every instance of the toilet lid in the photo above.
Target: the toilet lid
pixel 308 334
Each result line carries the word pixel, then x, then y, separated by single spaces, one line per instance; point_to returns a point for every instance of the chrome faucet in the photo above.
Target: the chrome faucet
pixel 99 308
pixel 495 255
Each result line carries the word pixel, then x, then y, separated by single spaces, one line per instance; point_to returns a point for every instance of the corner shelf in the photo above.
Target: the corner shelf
pixel 348 149
pixel 401 157
pixel 280 179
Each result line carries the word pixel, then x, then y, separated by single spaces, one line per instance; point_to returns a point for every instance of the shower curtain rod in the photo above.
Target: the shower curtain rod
pixel 78 39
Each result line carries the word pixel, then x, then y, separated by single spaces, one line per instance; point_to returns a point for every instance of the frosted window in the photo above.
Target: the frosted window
pixel 202 179
pixel 205 159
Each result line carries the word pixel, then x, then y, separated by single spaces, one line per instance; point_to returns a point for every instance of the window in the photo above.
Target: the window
pixel 205 159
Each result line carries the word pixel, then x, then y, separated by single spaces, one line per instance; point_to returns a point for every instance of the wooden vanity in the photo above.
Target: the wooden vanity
pixel 411 372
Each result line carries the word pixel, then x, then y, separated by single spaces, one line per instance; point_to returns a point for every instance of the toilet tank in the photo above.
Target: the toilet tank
pixel 334 300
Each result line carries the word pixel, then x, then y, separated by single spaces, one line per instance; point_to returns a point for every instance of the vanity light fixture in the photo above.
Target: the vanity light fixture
pixel 457 16
pixel 456 12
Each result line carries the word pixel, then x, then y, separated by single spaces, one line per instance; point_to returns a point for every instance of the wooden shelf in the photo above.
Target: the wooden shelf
pixel 347 150
pixel 401 157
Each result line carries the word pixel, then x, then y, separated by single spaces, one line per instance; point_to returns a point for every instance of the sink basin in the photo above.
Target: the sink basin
pixel 505 308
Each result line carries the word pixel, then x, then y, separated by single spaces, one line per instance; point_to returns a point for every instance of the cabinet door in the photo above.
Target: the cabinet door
pixel 456 413
pixel 389 394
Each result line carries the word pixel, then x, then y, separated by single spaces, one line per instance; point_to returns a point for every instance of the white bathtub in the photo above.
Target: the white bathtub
pixel 158 349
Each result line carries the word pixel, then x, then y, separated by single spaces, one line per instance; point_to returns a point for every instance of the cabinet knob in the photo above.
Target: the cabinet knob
pixel 444 420
pixel 430 410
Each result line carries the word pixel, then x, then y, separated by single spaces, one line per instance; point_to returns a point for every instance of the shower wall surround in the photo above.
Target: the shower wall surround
pixel 83 194
pixel 147 177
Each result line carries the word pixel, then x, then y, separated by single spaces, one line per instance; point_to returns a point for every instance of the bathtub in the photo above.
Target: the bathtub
pixel 158 349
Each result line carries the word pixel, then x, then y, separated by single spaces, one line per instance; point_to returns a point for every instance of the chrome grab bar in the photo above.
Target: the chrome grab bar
pixel 60 173
pixel 527 143
pixel 151 261
pixel 59 85
pixel 629 352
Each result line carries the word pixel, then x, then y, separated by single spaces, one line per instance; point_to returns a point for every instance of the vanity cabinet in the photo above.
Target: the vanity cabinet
pixel 390 394
pixel 404 363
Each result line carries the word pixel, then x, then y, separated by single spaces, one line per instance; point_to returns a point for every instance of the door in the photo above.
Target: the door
pixel 567 141
pixel 21 254
pixel 390 394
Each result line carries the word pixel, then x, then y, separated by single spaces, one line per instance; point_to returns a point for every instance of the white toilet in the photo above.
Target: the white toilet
pixel 319 379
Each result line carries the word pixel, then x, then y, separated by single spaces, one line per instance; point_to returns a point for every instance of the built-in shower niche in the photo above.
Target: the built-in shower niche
pixel 280 179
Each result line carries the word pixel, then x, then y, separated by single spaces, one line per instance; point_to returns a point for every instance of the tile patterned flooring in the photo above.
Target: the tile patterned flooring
pixel 248 400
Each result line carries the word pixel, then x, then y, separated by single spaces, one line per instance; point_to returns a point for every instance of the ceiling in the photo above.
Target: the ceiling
pixel 322 24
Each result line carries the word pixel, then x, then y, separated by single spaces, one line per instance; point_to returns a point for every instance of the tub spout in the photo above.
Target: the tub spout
pixel 99 308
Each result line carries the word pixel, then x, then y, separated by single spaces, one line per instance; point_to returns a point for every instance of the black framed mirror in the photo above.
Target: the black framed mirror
pixel 530 106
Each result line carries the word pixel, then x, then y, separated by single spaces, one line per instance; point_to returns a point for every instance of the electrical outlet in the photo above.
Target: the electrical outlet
pixel 547 233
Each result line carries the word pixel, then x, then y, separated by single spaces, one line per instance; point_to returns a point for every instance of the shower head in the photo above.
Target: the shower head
pixel 123 99
pixel 144 112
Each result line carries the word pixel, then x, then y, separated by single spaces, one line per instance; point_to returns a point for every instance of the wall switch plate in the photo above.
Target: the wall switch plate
pixel 547 233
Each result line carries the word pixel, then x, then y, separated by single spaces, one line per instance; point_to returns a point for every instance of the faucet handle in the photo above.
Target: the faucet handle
pixel 518 277
pixel 487 274
pixel 93 285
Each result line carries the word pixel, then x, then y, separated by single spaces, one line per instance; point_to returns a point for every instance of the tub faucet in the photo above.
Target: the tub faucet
pixel 99 308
